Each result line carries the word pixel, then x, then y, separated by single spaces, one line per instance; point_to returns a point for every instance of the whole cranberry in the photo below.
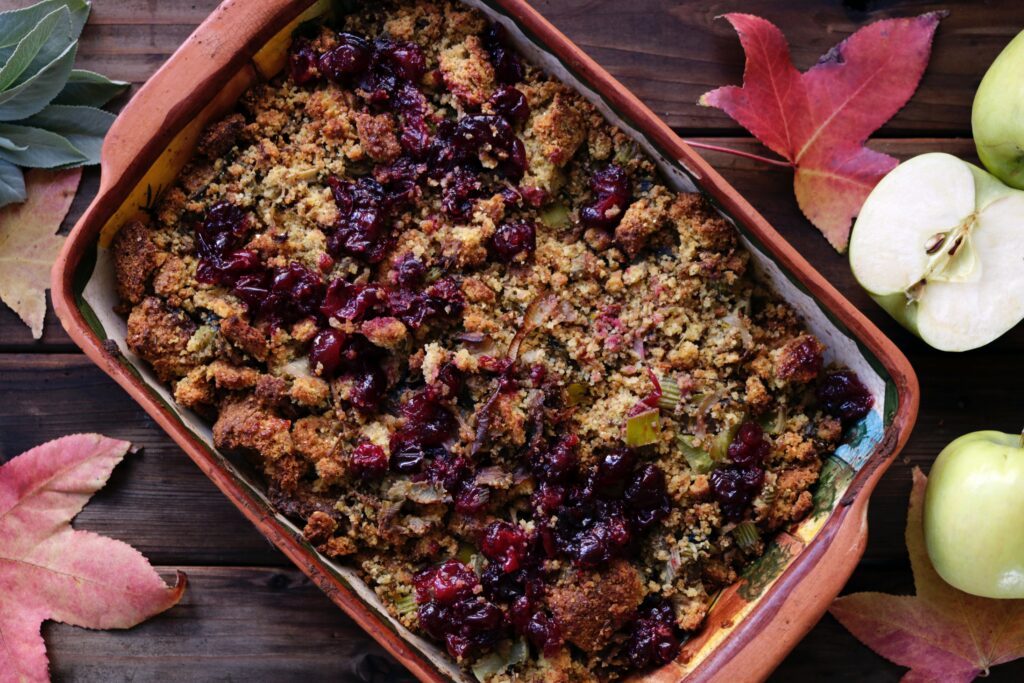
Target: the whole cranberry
pixel 558 463
pixel 515 239
pixel 368 386
pixel 606 539
pixel 749 447
pixel 407 60
pixel 842 394
pixel 445 583
pixel 449 470
pixel 351 56
pixel 325 352
pixel 515 164
pixel 296 290
pixel 361 227
pixel 544 633
pixel 511 103
pixel 428 419
pixel 459 191
pixel 507 66
pixel 610 186
pixel 411 106
pixel 735 487
pixel 369 461
pixel 409 272
pixel 355 302
pixel 548 498
pixel 614 471
pixel 302 62
pixel 654 639
pixel 443 299
pixel 228 268
pixel 647 497
pixel 505 544
pixel 220 237
pixel 472 499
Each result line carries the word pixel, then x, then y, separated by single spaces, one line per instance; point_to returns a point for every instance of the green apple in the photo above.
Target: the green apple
pixel 997 119
pixel 939 243
pixel 974 514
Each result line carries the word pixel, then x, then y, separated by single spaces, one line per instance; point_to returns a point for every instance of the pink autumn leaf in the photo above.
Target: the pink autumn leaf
pixel 49 570
pixel 819 120
pixel 942 634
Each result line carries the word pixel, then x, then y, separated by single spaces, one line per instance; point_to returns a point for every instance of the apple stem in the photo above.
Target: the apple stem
pixel 738 153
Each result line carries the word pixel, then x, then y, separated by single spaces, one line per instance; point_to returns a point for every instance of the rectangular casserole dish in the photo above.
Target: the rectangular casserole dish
pixel 754 623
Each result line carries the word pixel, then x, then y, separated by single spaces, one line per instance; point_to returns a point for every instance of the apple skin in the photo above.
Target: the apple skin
pixel 997 117
pixel 974 514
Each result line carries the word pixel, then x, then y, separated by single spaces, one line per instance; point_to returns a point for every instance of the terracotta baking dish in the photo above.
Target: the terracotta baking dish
pixel 752 624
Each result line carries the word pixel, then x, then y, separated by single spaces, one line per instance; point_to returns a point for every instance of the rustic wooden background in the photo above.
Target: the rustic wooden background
pixel 248 615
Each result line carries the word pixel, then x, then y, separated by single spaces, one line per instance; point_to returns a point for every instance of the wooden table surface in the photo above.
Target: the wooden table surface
pixel 248 615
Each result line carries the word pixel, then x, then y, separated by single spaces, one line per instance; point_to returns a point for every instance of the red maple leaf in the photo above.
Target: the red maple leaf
pixel 49 570
pixel 819 120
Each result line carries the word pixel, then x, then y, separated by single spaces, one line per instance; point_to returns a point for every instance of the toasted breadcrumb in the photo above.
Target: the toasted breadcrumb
pixel 555 335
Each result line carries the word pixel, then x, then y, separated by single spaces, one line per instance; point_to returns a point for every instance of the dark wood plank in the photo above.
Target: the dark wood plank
pixel 667 53
pixel 157 499
pixel 233 624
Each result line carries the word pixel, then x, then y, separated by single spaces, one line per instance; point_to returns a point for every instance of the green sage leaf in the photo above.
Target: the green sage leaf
pixel 56 43
pixel 16 24
pixel 35 93
pixel 44 149
pixel 56 23
pixel 7 144
pixel 89 89
pixel 83 127
pixel 12 184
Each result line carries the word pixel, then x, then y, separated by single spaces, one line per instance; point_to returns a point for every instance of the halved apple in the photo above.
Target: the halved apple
pixel 939 243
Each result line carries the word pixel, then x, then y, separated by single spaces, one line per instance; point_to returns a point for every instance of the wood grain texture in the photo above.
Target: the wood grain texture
pixel 668 53
pixel 248 615
pixel 234 624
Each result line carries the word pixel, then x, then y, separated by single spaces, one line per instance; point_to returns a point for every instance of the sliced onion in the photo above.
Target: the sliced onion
pixel 706 404
pixel 671 570
pixel 478 343
pixel 536 313
pixel 638 347
pixel 734 320
pixel 425 493
pixel 493 477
